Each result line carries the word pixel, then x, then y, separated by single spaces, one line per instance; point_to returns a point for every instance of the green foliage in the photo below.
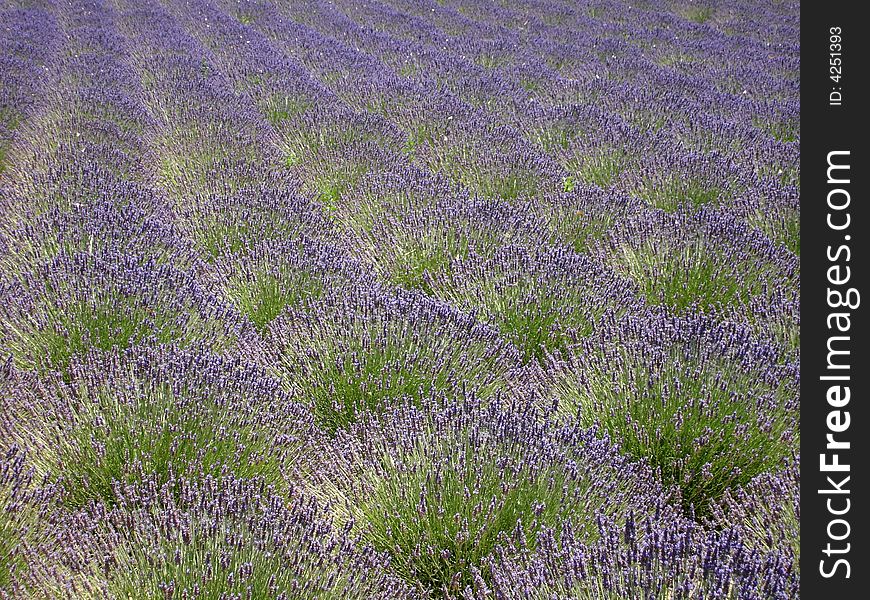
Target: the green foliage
pixel 781 223
pixel 557 137
pixel 674 191
pixel 707 425
pixel 698 14
pixel 203 169
pixel 535 317
pixel 681 275
pixel 781 130
pixel 117 321
pixel 419 136
pixel 333 177
pixel 259 547
pixel 444 490
pixel 283 108
pixel 265 293
pixel 346 366
pixel 543 301
pixel 437 531
pixel 578 229
pixel 148 432
pixel 601 167
pixel 19 521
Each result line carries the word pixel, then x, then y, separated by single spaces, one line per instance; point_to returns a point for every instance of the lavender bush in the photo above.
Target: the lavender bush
pixel 156 415
pixel 438 488
pixel 642 559
pixel 344 357
pixel 703 403
pixel 215 538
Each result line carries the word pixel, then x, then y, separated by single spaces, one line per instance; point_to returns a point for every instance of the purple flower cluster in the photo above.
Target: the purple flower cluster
pixel 216 537
pixel 641 559
pixel 358 349
pixel 399 299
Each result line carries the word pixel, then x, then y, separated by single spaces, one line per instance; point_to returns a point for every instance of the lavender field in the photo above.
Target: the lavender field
pixel 399 299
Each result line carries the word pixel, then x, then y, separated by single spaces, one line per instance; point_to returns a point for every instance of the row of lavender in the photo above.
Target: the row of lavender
pixel 514 315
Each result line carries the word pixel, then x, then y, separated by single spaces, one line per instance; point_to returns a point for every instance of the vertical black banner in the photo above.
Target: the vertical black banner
pixel 835 372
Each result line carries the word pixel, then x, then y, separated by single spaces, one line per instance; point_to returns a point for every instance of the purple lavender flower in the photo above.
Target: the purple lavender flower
pixel 644 558
pixel 362 348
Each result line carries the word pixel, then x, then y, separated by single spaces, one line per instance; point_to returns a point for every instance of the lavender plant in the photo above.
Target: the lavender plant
pixel 420 240
pixel 767 510
pixel 706 405
pixel 702 260
pixel 583 215
pixel 264 280
pixel 360 349
pixel 543 302
pixel 149 415
pixel 112 299
pixel 229 223
pixel 512 288
pixel 439 488
pixel 216 538
pixel 23 503
pixel 643 558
